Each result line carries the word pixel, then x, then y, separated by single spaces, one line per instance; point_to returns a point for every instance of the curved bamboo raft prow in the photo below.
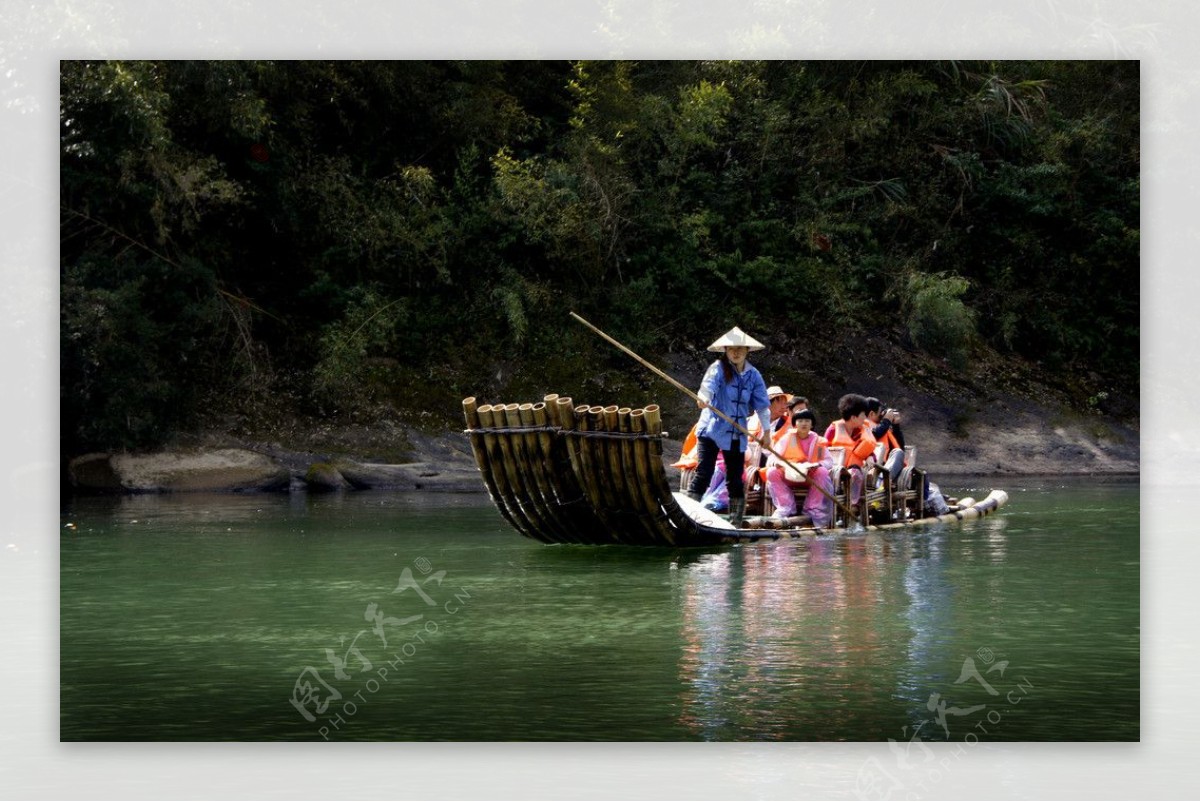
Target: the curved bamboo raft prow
pixel 565 473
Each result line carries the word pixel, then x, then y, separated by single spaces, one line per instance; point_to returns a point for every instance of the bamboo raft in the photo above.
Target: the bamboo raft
pixel 565 473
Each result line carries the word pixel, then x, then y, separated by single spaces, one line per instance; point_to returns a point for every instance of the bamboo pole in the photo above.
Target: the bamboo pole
pixel 663 491
pixel 634 499
pixel 564 415
pixel 587 474
pixel 766 445
pixel 538 447
pixel 597 448
pixel 614 452
pixel 624 453
pixel 500 461
pixel 525 448
pixel 578 491
pixel 524 465
pixel 479 449
pixel 612 457
pixel 602 477
pixel 512 469
pixel 583 455
pixel 644 468
pixel 576 517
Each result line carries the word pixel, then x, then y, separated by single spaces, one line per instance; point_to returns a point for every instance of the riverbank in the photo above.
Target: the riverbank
pixel 996 416
pixel 1015 443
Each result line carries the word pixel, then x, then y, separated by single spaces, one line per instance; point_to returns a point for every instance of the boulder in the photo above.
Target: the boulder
pixel 94 473
pixel 222 470
pixel 321 476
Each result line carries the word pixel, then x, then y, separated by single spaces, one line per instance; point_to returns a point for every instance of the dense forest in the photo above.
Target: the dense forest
pixel 333 237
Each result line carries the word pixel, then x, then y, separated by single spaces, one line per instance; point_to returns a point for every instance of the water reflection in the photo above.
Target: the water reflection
pixel 929 597
pixel 784 641
pixel 827 638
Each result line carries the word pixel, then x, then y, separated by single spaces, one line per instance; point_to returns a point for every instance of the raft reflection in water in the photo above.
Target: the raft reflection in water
pixel 824 639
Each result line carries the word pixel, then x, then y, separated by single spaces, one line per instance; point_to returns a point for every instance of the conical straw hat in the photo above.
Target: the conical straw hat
pixel 733 337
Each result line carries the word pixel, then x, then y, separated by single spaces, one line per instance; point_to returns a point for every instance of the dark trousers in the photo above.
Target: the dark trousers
pixel 735 463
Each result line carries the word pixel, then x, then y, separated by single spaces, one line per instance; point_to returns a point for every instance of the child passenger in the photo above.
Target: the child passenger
pixel 806 450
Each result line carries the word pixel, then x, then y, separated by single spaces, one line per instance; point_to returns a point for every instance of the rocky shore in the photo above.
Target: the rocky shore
pixel 1008 441
pixel 269 467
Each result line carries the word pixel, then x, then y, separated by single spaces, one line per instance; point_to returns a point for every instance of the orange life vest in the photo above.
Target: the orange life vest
pixel 777 436
pixel 690 457
pixel 891 442
pixel 793 451
pixel 857 449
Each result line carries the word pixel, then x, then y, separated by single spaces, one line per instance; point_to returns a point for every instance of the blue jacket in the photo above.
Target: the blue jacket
pixel 745 393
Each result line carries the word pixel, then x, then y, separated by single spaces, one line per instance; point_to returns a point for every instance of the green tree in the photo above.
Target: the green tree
pixel 349 234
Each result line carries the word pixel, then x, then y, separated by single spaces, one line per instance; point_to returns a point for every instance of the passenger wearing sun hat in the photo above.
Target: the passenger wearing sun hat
pixel 736 388
pixel 778 400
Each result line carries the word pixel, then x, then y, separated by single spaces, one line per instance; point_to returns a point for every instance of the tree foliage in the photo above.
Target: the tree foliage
pixel 344 228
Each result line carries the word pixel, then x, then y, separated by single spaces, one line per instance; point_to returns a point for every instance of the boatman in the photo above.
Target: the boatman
pixel 716 498
pixel 734 387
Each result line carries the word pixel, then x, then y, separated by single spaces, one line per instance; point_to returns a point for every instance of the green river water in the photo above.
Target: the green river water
pixel 379 616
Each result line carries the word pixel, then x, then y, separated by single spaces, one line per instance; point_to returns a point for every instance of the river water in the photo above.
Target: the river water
pixel 380 616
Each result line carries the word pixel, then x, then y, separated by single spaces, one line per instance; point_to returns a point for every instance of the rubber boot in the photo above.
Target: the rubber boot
pixel 737 511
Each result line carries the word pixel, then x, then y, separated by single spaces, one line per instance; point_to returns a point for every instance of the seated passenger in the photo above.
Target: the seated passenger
pixel 756 456
pixel 804 449
pixel 885 426
pixel 779 407
pixel 853 434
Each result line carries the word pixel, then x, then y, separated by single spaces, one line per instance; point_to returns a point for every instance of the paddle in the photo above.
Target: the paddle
pixel 846 510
